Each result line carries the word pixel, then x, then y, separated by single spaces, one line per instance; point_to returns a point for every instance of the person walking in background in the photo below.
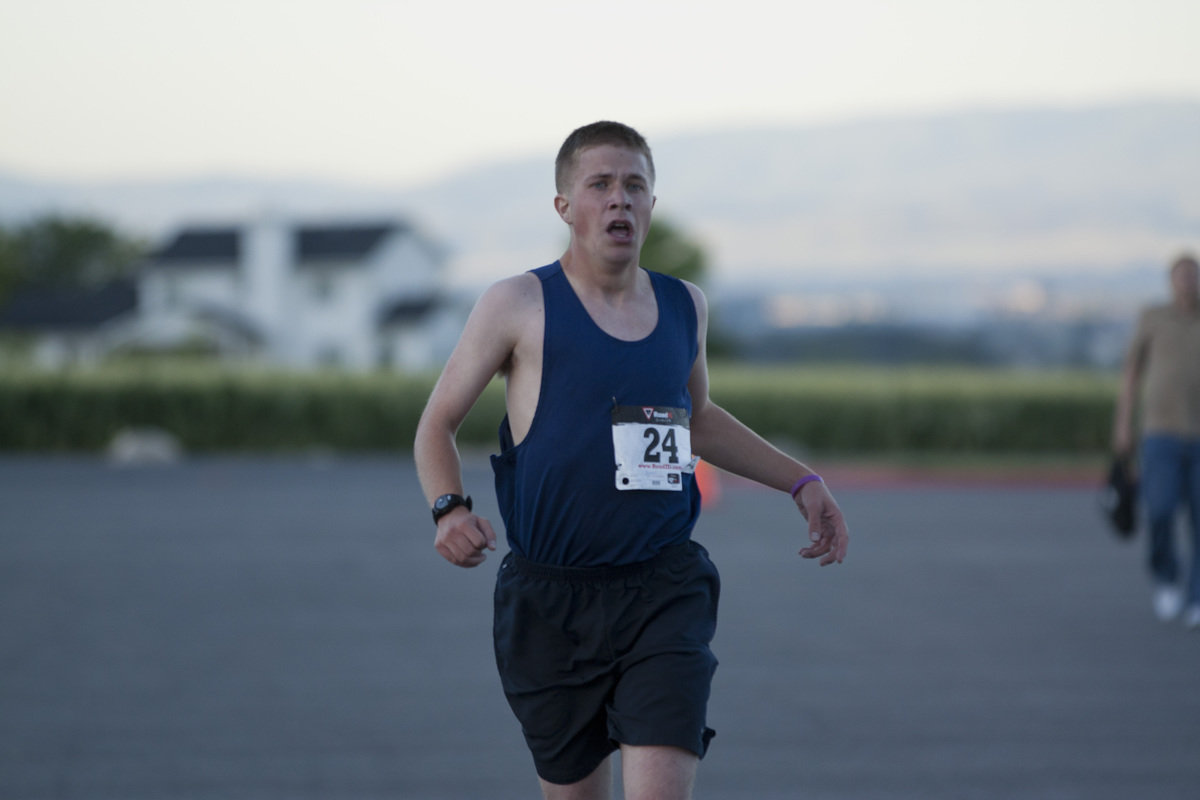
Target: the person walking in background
pixel 604 608
pixel 1161 381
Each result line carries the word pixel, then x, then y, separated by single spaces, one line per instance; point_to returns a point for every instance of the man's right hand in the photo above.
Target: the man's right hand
pixel 462 538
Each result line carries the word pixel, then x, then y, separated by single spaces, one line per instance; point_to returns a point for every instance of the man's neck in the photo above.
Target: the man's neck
pixel 608 278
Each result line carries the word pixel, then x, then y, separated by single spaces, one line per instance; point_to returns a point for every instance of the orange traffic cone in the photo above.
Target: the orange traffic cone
pixel 709 481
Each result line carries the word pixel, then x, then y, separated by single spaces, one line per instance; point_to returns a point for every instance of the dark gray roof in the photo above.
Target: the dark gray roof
pixel 317 243
pixel 309 242
pixel 202 244
pixel 408 310
pixel 73 308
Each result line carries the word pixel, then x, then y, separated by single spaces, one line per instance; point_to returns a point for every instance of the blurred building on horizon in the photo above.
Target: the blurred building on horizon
pixel 355 295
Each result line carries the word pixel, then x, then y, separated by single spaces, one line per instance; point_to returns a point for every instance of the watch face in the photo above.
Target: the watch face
pixel 448 502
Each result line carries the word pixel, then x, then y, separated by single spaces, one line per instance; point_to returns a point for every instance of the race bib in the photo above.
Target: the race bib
pixel 653 447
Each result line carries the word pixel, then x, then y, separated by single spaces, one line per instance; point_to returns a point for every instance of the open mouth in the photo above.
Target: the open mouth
pixel 621 230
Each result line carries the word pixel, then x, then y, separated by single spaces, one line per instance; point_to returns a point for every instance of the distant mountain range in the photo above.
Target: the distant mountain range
pixel 1031 191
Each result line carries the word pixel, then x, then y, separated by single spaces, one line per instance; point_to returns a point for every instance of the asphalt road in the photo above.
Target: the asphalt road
pixel 281 629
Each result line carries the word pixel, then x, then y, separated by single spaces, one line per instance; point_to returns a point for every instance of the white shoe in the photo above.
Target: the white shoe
pixel 1168 602
pixel 1191 617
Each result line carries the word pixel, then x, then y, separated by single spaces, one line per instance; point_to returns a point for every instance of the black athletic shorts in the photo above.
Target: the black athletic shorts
pixel 594 658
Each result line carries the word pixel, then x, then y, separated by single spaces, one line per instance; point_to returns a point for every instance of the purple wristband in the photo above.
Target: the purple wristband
pixel 798 485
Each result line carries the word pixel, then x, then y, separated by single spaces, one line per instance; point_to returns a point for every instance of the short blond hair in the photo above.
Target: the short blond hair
pixel 593 135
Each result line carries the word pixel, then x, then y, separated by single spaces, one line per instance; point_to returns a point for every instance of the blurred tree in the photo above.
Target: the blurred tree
pixel 65 251
pixel 9 272
pixel 668 250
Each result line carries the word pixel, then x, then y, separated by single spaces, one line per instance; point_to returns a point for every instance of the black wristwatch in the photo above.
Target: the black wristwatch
pixel 447 503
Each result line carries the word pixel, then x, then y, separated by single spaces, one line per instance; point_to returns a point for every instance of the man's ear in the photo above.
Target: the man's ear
pixel 563 206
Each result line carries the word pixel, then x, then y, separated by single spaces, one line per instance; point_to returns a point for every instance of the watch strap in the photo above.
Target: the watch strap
pixel 447 503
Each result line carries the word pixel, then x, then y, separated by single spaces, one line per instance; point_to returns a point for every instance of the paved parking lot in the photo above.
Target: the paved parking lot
pixel 282 628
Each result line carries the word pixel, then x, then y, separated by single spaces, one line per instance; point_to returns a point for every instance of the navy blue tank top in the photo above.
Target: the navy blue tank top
pixel 556 489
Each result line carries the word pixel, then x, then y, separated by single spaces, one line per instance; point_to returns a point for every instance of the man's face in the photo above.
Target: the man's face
pixel 608 202
pixel 1185 278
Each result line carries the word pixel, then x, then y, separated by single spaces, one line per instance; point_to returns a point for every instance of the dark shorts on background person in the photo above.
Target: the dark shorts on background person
pixel 592 658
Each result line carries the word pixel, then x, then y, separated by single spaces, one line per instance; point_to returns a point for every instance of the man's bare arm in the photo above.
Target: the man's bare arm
pixel 724 441
pixel 1131 379
pixel 1126 401
pixel 486 345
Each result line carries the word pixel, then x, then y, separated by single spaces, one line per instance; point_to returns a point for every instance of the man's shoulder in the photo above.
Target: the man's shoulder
pixel 515 286
pixel 514 295
pixel 1167 324
pixel 1155 313
pixel 699 301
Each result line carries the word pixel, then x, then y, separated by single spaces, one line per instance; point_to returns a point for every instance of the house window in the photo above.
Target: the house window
pixel 385 354
pixel 329 355
pixel 171 293
pixel 322 286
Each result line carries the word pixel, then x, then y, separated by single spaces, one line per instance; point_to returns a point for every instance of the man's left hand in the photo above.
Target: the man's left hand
pixel 826 525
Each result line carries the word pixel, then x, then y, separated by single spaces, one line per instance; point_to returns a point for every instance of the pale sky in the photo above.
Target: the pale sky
pixel 396 92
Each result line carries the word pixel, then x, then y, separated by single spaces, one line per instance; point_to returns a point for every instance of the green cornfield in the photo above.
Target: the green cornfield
pixel 843 410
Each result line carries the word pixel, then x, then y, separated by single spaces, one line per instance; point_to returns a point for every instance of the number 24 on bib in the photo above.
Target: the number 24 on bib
pixel 653 447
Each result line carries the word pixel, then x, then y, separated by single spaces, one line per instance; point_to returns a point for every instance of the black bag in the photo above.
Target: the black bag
pixel 1118 498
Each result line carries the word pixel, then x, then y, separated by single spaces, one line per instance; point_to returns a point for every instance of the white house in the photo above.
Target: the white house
pixel 68 325
pixel 354 295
